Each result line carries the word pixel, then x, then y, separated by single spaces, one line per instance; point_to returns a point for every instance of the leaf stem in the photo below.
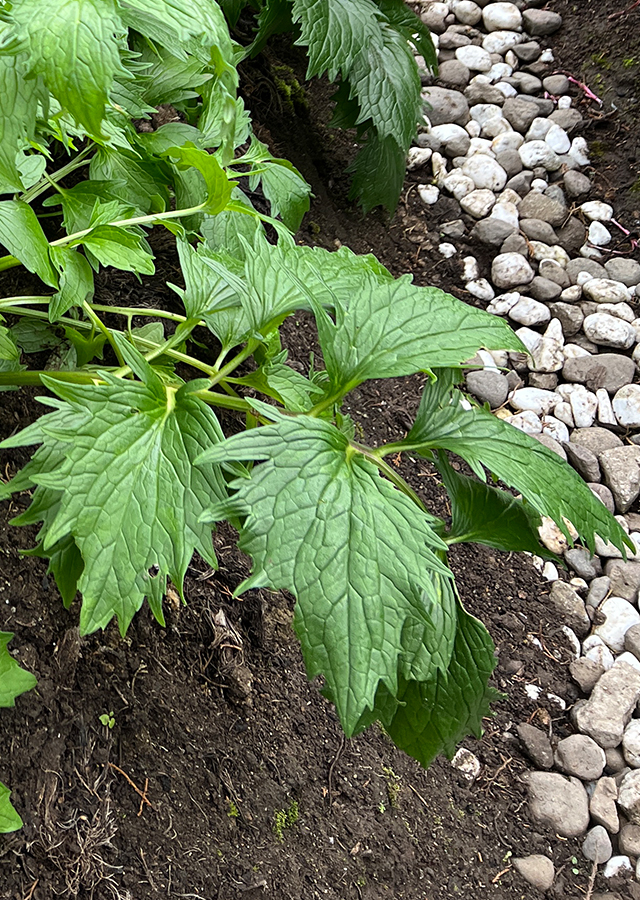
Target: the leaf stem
pixel 45 182
pixel 143 312
pixel 233 364
pixel 99 324
pixel 390 473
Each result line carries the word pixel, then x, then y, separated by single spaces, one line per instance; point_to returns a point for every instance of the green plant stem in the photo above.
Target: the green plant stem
pixel 99 324
pixel 10 262
pixel 396 447
pixel 233 364
pixel 45 182
pixel 140 343
pixel 143 312
pixel 391 474
pixel 24 301
pixel 32 377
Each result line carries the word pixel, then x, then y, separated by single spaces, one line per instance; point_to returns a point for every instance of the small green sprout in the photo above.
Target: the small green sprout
pixel 108 719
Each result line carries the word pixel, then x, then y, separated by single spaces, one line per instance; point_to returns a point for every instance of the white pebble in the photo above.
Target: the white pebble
pixel 478 203
pixel 447 250
pixel 598 234
pixel 418 156
pixel 579 151
pixel 480 288
pixel 558 139
pixel 486 173
pixel 564 102
pixel 597 211
pixel 475 58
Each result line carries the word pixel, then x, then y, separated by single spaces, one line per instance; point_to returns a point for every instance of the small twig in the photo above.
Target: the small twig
pixel 142 794
pixel 497 877
pixel 32 889
pixel 146 868
pixel 594 868
pixel 624 12
pixel 332 767
pixel 420 797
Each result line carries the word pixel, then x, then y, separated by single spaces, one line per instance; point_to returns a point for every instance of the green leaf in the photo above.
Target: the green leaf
pixel 75 278
pixel 431 717
pixel 355 551
pixel 137 181
pixel 232 10
pixel 282 383
pixel 13 680
pixel 218 186
pixel 273 18
pixel 206 291
pixel 411 26
pixel 114 246
pixel 34 335
pixel 74 45
pixel 396 328
pixel 551 486
pixel 486 515
pixel 286 190
pixel 378 173
pixel 17 118
pixel 9 818
pixel 183 26
pixel 80 203
pixel 121 456
pixel 225 230
pixel 22 235
pixel 8 349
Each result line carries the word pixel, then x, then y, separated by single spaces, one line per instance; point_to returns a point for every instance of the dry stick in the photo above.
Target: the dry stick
pixel 594 869
pixel 142 794
pixel 33 887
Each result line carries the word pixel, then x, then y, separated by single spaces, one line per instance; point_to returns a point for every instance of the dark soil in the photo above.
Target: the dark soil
pixel 224 774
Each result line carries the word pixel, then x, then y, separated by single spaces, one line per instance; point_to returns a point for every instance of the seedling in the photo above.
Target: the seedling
pixel 283 819
pixel 108 720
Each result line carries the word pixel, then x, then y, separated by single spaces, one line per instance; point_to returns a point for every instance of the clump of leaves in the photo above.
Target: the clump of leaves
pixel 13 682
pixel 133 470
pixel 285 818
pixel 364 46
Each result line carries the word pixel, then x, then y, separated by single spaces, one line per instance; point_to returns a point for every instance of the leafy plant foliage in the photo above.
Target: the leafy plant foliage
pixel 13 682
pixel 132 468
pixel 365 46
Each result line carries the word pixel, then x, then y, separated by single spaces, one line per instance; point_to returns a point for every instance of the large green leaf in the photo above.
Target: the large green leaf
pixel 17 118
pixel 8 348
pixel 404 20
pixel 22 235
pixel 13 680
pixel 484 514
pixel 118 247
pixel 121 457
pixel 74 45
pixel 552 487
pixel 217 187
pixel 396 328
pixel 356 552
pixel 378 172
pixel 426 718
pixel 285 189
pixel 205 290
pixel 76 281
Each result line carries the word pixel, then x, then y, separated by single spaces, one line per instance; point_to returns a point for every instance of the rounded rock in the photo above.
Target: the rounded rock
pixel 631 744
pixel 620 616
pixel 486 173
pixel 501 17
pixel 476 59
pixel 511 269
pixel 538 870
pixel 559 803
pixel 626 406
pixel 541 21
pixel 467 12
pixel 626 271
pixel 597 845
pixel 445 106
pixel 488 387
pixel 609 331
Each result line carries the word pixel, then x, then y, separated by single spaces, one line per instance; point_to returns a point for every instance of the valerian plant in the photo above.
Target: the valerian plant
pixel 364 46
pixel 133 470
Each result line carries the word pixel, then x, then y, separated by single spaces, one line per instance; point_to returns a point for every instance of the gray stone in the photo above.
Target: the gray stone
pixel 603 494
pixel 570 317
pixel 610 706
pixel 538 206
pixel 583 461
pixel 434 17
pixel 575 266
pixel 553 271
pixel 572 235
pixel 538 230
pixel 445 106
pixel 510 162
pixel 520 183
pixel 536 869
pixel 528 52
pixel 548 381
pixel 586 673
pixel 510 270
pixel 602 805
pixel 569 606
pixel 515 243
pixel 615 761
pixel 583 564
pixel 519 113
pixel 625 270
pixel 632 640
pixel 544 290
pixel 598 590
pixel 597 845
pixel 629 840
pixel 579 755
pixel 576 184
pixel 489 387
pixel 610 371
pixel 526 83
pixel 621 469
pixel 624 577
pixel 558 803
pixel 541 21
pixel 536 745
pixel 629 796
pixel 556 84
pixel 492 231
pixel 569 119
pixel 596 439
pixel 454 229
pixel 454 74
pixel 484 93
